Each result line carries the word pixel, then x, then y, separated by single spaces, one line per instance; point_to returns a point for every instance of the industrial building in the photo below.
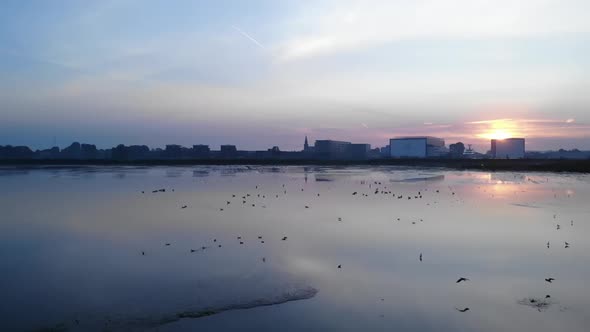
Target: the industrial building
pixel 329 149
pixel 509 148
pixel 417 147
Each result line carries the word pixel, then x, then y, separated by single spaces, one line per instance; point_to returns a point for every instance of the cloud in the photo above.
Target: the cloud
pixel 352 25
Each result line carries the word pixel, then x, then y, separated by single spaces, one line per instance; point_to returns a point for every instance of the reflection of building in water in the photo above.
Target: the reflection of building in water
pixel 506 178
pixel 417 147
pixel 509 148
pixel 200 173
pixel 434 178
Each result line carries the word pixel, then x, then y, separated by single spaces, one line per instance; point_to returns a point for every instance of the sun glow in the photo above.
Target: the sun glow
pixel 497 129
pixel 498 134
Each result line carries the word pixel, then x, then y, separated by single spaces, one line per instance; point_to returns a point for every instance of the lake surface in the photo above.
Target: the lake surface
pixel 85 249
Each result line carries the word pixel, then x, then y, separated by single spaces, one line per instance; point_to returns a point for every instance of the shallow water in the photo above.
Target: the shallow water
pixel 71 243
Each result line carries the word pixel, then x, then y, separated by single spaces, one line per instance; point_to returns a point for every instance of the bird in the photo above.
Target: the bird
pixel 263 259
pixel 239 237
pixel 193 250
pixel 259 237
pixel 241 242
pixel 547 244
pixel 284 238
pixel 354 193
pixel 143 253
pixel 462 310
pixel 558 226
pixel 167 244
pixel 307 207
pixel 547 296
pixel 549 280
pixel 339 219
pixel 183 207
pixel 420 256
pixel 462 279
pixel 339 266
pixel 567 245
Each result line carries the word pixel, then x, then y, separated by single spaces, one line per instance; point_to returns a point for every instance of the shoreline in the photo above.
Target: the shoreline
pixel 530 165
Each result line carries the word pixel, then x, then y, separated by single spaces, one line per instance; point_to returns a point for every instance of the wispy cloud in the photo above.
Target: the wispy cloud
pixel 351 25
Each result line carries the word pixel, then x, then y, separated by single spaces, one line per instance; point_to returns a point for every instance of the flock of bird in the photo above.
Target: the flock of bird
pixel 376 188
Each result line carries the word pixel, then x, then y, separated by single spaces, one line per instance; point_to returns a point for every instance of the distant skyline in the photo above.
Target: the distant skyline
pixel 263 73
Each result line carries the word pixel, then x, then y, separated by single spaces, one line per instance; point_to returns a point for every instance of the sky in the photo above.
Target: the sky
pixel 264 73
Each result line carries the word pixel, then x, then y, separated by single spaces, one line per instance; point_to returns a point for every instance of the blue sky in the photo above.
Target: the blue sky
pixel 263 73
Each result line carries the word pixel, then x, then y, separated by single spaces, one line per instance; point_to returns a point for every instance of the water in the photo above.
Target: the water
pixel 71 243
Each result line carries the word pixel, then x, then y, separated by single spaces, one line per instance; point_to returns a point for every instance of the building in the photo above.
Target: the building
pixel 417 147
pixel 173 151
pixel 228 151
pixel 88 151
pixel 200 151
pixel 509 148
pixel 329 149
pixel 358 151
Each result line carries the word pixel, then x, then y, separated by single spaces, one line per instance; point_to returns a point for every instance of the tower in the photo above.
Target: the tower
pixel 305 145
